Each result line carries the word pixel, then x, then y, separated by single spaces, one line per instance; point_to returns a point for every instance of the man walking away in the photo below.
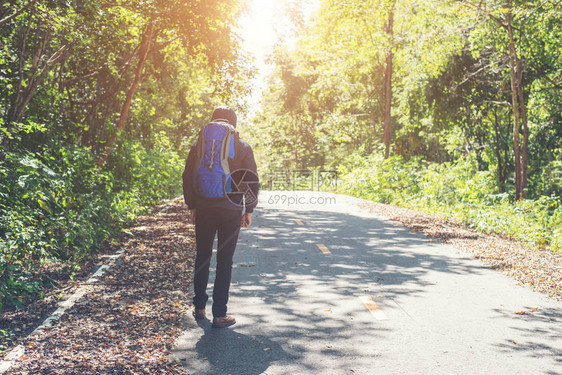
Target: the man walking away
pixel 218 207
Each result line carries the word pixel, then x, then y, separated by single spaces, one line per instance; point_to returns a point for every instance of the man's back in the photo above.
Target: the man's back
pixel 222 218
pixel 243 170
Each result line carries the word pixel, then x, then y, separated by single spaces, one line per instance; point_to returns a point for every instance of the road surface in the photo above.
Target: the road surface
pixel 322 287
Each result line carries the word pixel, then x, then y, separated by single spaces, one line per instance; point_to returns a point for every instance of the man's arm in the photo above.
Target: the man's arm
pixel 252 181
pixel 246 220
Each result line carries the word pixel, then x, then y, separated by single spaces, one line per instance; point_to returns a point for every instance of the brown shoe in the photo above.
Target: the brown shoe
pixel 199 314
pixel 223 321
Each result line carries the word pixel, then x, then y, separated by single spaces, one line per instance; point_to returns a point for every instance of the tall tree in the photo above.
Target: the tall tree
pixel 144 48
pixel 387 94
pixel 511 18
pixel 204 27
pixel 90 58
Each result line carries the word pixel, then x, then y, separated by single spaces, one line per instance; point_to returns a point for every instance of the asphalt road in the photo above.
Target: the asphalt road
pixel 330 289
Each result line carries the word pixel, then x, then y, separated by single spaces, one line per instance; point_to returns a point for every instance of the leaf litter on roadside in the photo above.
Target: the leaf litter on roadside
pixel 541 270
pixel 130 320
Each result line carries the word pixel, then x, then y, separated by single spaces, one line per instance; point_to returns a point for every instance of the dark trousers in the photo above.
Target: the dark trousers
pixel 209 222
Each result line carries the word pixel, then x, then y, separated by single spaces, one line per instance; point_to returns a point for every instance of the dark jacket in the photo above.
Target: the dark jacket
pixel 248 182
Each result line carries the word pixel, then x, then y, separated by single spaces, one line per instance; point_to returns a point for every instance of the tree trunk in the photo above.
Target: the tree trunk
pixel 388 83
pixel 123 116
pixel 501 169
pixel 524 146
pixel 387 102
pixel 516 148
pixel 519 111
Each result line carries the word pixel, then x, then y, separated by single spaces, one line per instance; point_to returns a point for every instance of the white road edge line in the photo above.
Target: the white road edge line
pixel 17 353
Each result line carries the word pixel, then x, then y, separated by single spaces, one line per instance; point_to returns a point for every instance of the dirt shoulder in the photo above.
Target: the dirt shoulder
pixel 540 270
pixel 129 322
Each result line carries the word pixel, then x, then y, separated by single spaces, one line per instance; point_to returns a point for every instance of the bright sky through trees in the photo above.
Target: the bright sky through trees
pixel 261 28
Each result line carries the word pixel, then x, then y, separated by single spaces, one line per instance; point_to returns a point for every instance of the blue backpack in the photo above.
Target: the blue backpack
pixel 216 146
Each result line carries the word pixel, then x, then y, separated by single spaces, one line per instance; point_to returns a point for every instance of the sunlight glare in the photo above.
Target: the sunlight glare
pixel 263 25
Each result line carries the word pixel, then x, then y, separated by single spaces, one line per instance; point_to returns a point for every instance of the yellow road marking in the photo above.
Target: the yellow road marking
pixel 299 222
pixel 323 249
pixel 373 308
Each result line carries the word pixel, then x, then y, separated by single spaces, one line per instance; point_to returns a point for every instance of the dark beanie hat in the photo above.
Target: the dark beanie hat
pixel 225 113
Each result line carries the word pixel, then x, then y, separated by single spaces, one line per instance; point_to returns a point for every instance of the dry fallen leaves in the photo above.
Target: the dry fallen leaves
pixel 129 321
pixel 541 270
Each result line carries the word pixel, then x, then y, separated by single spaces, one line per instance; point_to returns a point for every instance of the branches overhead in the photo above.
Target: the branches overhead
pixel 86 61
pixel 18 12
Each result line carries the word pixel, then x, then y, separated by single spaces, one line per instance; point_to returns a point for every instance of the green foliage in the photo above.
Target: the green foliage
pixel 459 191
pixel 451 88
pixel 452 108
pixel 5 338
pixel 55 204
pixel 66 68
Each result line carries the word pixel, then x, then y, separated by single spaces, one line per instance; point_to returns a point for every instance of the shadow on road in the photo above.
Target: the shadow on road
pixel 533 339
pixel 227 351
pixel 365 252
pixel 299 310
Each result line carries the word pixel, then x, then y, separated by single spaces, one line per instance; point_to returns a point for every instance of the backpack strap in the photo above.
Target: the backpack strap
pixel 201 144
pixel 236 142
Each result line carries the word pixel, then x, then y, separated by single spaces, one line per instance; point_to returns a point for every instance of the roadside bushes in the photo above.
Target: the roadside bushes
pixel 56 206
pixel 459 191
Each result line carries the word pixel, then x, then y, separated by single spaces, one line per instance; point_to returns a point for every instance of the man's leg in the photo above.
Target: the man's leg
pixel 205 230
pixel 228 230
